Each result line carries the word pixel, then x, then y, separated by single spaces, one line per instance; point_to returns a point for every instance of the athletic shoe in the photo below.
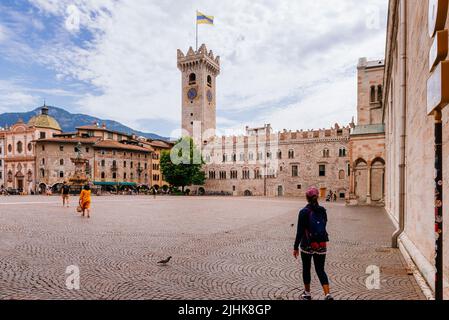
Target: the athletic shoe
pixel 306 296
pixel 329 297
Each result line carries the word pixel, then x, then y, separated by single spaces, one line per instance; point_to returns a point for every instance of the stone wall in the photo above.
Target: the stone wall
pixel 419 198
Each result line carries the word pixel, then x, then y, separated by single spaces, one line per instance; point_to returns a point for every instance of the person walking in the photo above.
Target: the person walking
pixel 311 243
pixel 65 191
pixel 85 201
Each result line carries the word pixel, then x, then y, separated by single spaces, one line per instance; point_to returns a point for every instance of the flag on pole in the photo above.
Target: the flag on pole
pixel 203 19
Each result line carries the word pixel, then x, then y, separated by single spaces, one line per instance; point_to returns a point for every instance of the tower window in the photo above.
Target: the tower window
pixel 379 93
pixel 373 94
pixel 192 79
pixel 209 81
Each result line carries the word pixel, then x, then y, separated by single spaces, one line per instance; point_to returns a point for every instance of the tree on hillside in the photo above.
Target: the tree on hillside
pixel 182 165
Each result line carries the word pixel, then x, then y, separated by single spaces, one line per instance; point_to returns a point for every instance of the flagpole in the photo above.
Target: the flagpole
pixel 196 22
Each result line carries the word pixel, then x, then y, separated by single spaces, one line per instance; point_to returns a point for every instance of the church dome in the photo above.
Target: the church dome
pixel 44 121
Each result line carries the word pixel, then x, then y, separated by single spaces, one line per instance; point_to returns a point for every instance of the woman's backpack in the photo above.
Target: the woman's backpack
pixel 317 227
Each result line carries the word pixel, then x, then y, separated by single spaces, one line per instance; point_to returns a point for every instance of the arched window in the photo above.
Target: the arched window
pixel 279 154
pixel 342 152
pixel 9 148
pixel 192 79
pixel 209 81
pixel 61 162
pixel 30 147
pixel 379 93
pixel 19 147
pixel 251 156
pixel 114 164
pixel 242 157
pixel 291 154
pixel 326 153
pixel 373 94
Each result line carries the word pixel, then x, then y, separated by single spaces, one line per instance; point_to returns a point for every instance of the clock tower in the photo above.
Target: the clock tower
pixel 199 105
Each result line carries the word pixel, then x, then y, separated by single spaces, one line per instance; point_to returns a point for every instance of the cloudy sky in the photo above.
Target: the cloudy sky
pixel 291 63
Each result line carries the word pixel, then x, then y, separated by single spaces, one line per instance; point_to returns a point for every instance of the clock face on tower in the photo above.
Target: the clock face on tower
pixel 191 94
pixel 209 95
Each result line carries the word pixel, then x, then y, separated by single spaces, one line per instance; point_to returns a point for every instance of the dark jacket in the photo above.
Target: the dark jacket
pixel 303 224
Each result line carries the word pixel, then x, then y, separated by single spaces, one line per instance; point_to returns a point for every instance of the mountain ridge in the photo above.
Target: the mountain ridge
pixel 70 121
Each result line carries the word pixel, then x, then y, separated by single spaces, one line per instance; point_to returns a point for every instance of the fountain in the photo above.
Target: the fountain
pixel 79 178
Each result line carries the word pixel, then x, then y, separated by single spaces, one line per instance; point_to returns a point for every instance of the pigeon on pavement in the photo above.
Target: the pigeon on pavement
pixel 164 262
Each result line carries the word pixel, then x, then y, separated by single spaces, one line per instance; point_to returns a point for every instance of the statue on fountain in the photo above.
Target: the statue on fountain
pixel 79 178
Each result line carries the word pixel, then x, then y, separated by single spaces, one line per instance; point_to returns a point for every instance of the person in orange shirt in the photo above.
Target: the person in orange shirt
pixel 85 200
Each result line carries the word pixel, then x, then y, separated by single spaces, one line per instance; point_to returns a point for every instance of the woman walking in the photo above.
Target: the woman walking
pixel 312 239
pixel 85 200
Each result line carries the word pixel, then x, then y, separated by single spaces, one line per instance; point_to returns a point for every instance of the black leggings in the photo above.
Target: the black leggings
pixel 318 260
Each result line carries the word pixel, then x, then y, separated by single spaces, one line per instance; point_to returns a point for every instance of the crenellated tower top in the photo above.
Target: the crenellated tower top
pixel 202 58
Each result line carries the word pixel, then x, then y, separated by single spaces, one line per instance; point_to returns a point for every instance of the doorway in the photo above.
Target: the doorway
pixel 280 191
pixel 20 184
pixel 323 193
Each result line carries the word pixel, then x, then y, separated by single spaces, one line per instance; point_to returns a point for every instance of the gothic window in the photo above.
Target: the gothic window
pixel 192 79
pixel 234 157
pixel 114 164
pixel 251 156
pixel 114 175
pixel 326 153
pixel 379 93
pixel 342 152
pixel 19 147
pixel 291 154
pixel 209 81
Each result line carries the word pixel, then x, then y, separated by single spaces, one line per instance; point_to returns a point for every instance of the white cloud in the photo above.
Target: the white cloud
pixel 3 33
pixel 271 50
pixel 14 98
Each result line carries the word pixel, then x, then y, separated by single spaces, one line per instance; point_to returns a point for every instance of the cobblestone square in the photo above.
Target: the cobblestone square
pixel 222 248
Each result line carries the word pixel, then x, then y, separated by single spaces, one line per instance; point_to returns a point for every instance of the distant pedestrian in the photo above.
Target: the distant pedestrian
pixel 65 192
pixel 312 239
pixel 85 201
pixel 335 197
pixel 154 192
